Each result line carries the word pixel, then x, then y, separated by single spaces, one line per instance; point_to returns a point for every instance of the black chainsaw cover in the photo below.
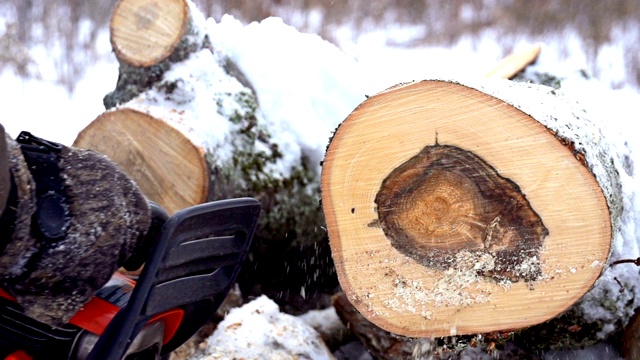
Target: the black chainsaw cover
pixel 193 261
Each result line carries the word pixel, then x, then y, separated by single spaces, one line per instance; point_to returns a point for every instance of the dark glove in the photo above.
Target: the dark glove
pixel 71 219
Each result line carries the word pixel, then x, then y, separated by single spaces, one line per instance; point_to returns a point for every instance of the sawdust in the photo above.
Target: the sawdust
pixel 459 286
pixel 454 287
pixel 462 285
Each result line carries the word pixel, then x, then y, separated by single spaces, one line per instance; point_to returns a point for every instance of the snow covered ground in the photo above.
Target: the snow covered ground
pixel 308 86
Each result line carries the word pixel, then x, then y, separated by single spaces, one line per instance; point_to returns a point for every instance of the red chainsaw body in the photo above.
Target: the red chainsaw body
pixel 96 314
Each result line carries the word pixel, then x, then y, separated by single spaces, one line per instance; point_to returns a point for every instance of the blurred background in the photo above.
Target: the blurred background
pixel 599 37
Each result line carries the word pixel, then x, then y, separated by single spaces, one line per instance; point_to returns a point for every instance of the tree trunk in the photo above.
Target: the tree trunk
pixel 468 208
pixel 631 345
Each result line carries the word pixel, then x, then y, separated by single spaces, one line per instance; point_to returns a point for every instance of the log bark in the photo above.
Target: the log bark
pixel 380 343
pixel 631 345
pixel 465 208
pixel 385 345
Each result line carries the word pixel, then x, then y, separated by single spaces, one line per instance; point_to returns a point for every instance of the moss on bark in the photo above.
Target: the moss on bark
pixel 290 259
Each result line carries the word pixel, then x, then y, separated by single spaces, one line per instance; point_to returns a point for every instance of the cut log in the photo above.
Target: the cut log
pixel 452 211
pixel 166 119
pixel 515 63
pixel 145 32
pixel 169 167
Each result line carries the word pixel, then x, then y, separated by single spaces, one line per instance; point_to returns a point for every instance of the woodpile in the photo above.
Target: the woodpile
pixel 452 207
pixel 149 142
pixel 186 125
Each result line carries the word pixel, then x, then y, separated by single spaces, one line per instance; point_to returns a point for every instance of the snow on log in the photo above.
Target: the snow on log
pixel 467 208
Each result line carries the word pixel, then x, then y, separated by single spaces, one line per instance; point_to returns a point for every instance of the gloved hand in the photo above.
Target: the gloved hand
pixel 71 218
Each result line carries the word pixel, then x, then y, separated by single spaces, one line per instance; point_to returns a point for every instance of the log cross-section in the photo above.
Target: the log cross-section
pixel 451 211
pixel 143 32
pixel 166 164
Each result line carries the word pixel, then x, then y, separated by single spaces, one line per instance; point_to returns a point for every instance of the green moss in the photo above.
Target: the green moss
pixel 290 259
pixel 291 202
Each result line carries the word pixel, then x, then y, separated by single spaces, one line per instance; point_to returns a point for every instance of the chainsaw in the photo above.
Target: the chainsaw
pixel 191 259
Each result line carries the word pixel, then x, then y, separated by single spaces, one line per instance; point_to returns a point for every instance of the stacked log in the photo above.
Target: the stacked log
pixel 186 125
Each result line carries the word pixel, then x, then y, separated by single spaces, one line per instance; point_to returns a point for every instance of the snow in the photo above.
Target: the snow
pixel 43 106
pixel 258 330
pixel 195 100
pixel 306 87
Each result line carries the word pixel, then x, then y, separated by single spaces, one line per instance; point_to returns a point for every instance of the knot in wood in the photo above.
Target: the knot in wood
pixel 446 200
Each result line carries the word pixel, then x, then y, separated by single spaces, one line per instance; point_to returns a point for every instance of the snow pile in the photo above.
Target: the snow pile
pixel 258 330
pixel 305 85
pixel 328 324
pixel 202 95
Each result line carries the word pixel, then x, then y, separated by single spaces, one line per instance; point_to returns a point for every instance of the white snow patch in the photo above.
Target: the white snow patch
pixel 258 330
pixel 202 81
pixel 326 321
pixel 306 86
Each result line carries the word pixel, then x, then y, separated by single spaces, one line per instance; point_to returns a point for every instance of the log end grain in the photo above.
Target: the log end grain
pixel 169 168
pixel 494 226
pixel 144 33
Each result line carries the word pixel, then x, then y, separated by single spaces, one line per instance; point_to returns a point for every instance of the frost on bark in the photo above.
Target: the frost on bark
pixel 472 207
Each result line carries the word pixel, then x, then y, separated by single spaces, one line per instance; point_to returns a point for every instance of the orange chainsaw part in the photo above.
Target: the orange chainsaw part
pixel 17 355
pixel 96 314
